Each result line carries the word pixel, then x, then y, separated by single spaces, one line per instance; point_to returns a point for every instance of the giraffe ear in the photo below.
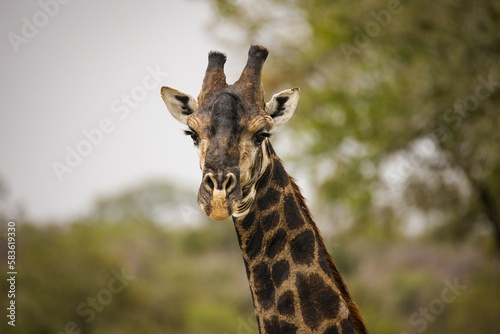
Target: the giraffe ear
pixel 282 105
pixel 180 104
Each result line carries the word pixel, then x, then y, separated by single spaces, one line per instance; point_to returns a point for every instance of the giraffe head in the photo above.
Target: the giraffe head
pixel 230 126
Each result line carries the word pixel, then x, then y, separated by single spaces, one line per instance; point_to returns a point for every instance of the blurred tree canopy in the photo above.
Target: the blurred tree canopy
pixel 132 277
pixel 399 117
pixel 155 201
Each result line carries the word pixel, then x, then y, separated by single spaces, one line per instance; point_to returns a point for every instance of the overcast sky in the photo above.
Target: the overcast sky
pixel 69 69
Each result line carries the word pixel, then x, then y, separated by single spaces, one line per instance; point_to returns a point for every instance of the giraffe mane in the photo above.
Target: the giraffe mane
pixel 354 311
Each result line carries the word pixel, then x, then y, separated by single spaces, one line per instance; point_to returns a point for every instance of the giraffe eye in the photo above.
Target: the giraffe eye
pixel 194 136
pixel 260 136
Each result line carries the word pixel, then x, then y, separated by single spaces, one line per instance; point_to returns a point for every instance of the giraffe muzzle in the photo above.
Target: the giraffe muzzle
pixel 219 194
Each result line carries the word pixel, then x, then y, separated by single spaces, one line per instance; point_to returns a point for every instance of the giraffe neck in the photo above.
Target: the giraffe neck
pixel 295 286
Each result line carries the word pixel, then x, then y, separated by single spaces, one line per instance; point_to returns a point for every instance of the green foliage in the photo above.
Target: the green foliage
pixel 211 318
pixel 148 202
pixel 399 287
pixel 400 102
pixel 484 287
pixel 173 289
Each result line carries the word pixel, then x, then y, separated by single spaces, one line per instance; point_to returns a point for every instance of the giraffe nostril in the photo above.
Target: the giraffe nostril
pixel 229 182
pixel 210 183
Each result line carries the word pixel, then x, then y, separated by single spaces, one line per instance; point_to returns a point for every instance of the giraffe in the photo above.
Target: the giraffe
pixel 295 286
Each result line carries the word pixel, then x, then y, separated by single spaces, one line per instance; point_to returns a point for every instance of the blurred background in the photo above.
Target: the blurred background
pixel 395 143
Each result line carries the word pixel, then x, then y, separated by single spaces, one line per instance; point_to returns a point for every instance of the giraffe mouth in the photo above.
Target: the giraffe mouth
pixel 219 206
pixel 219 209
pixel 217 199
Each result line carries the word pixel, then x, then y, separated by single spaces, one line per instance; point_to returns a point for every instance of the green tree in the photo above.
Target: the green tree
pixel 399 120
pixel 154 201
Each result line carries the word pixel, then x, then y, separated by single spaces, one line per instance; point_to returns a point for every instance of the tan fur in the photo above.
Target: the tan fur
pixel 218 206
